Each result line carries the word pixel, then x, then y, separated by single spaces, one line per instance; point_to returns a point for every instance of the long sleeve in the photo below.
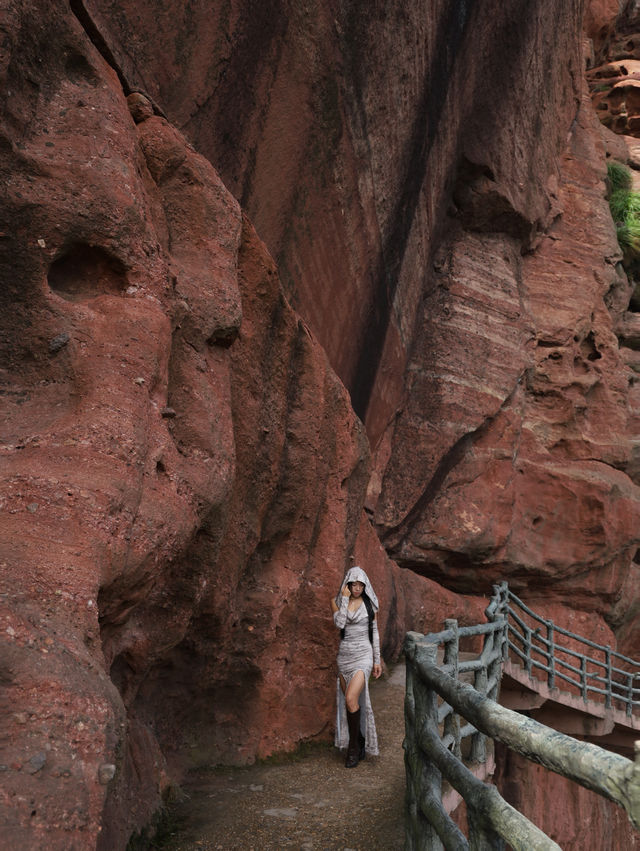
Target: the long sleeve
pixel 340 617
pixel 376 643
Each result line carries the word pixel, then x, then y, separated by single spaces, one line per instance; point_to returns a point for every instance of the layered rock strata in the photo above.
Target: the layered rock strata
pixel 341 128
pixel 458 201
pixel 184 474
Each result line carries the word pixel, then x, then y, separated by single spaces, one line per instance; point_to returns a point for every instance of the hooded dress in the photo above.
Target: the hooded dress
pixel 356 653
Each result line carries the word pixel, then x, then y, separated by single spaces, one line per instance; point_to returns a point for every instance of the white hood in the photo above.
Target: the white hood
pixel 357 574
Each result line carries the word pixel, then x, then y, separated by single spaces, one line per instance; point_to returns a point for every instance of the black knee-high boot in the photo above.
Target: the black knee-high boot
pixel 353 722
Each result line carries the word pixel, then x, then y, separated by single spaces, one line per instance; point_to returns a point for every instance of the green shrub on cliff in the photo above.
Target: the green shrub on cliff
pixel 619 176
pixel 624 204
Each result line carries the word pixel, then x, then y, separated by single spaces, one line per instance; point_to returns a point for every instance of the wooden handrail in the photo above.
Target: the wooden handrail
pixel 510 596
pixel 428 759
pixel 617 683
pixel 434 732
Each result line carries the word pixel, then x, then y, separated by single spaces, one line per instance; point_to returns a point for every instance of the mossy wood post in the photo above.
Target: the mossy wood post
pixel 492 821
pixel 499 654
pixel 412 812
pixel 497 610
pixel 426 819
pixel 450 660
pixel 478 742
pixel 606 773
pixel 489 816
pixel 527 650
pixel 583 677
pixel 550 651
pixel 607 665
pixel 487 678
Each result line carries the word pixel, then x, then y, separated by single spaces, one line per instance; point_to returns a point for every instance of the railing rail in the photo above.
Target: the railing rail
pixel 430 756
pixel 604 675
pixel 441 713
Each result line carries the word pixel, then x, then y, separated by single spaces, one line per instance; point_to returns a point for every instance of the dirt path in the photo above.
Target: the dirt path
pixel 311 802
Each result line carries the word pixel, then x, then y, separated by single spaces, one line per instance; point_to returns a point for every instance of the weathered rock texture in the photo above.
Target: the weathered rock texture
pixel 342 126
pixel 183 473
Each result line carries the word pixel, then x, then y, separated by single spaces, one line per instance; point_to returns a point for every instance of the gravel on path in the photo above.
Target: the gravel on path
pixel 311 802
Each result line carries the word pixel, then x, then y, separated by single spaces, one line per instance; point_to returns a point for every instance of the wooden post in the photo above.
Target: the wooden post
pixel 451 647
pixel 451 650
pixel 478 741
pixel 430 785
pixel 527 649
pixel 551 649
pixel 583 677
pixel 494 668
pixel 409 745
pixel 505 636
pixel 504 593
pixel 424 781
pixel 607 661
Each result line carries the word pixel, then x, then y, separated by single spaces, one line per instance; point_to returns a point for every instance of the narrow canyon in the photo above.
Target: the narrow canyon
pixel 284 288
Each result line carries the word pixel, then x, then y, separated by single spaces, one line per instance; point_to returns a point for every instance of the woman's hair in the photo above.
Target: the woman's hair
pixel 369 607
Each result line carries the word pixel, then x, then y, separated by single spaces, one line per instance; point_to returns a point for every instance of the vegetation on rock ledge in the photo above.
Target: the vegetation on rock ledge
pixel 624 204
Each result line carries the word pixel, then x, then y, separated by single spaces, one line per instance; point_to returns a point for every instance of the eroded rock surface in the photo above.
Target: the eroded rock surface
pixel 184 476
pixel 341 128
pixel 532 409
pixel 116 428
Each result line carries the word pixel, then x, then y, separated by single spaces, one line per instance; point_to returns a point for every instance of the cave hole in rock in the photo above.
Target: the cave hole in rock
pixel 122 674
pixel 86 271
pixel 78 68
pixel 589 349
pixel 224 336
pixel 114 608
pixel 634 302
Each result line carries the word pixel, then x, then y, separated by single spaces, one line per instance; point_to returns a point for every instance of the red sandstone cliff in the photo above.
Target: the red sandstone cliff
pixel 184 474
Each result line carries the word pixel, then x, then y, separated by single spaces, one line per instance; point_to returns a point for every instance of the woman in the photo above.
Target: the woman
pixel 354 613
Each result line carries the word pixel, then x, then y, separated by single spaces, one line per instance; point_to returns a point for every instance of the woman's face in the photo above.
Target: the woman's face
pixel 356 588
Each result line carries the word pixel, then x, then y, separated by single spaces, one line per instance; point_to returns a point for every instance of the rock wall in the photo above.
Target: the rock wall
pixel 185 469
pixel 533 407
pixel 183 474
pixel 341 127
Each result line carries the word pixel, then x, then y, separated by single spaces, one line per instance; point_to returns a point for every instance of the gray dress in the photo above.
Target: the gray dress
pixel 356 653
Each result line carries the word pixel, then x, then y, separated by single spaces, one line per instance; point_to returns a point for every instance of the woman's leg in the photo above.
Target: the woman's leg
pixel 354 690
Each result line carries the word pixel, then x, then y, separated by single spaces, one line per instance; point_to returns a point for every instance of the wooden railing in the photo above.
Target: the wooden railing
pixel 486 671
pixel 597 673
pixel 441 712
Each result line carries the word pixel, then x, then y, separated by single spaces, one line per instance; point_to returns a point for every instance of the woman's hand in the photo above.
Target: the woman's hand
pixel 346 591
pixel 377 670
